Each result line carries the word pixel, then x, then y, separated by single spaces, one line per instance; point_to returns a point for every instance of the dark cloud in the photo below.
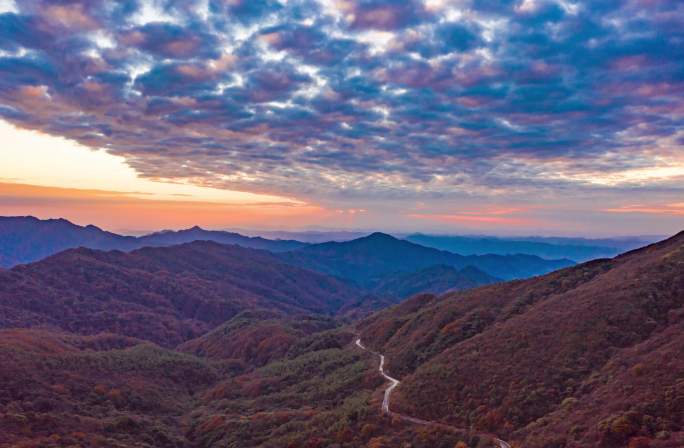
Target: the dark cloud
pixel 384 14
pixel 244 10
pixel 309 43
pixel 20 72
pixel 442 39
pixel 18 31
pixel 174 79
pixel 458 36
pixel 171 41
pixel 369 97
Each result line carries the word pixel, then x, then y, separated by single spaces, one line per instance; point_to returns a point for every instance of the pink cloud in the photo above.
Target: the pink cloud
pixel 675 209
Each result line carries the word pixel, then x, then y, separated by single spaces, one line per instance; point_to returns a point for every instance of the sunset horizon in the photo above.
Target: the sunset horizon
pixel 123 201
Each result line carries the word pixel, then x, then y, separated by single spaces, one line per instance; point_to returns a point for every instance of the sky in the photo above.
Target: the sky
pixel 550 117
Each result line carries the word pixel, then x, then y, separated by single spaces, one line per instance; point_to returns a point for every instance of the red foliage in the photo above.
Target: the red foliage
pixel 165 295
pixel 568 350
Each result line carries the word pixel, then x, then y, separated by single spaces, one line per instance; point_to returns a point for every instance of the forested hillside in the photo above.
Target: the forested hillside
pixel 586 356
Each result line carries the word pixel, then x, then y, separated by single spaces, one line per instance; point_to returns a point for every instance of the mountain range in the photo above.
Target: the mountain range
pixel 573 248
pixel 368 259
pixel 576 249
pixel 24 239
pixel 204 344
pixel 365 262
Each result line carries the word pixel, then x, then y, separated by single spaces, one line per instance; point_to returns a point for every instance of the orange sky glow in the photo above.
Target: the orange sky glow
pixel 125 211
pixel 53 177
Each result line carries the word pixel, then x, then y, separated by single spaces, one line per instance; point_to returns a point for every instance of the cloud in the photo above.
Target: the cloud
pixel 309 43
pixel 171 41
pixel 383 14
pixel 244 10
pixel 359 98
pixel 675 209
pixel 443 38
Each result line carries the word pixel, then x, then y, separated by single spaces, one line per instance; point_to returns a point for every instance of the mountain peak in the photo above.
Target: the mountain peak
pixel 60 221
pixel 379 236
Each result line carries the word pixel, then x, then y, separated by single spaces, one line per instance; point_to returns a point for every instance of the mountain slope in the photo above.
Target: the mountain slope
pixel 570 359
pixel 256 337
pixel 166 295
pixel 366 259
pixel 434 279
pixel 28 239
pixel 63 390
pixel 60 390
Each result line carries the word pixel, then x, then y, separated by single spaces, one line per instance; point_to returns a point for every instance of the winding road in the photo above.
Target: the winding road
pixel 394 383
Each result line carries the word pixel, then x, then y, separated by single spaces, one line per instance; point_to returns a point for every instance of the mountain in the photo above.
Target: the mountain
pixel 172 238
pixel 591 355
pixel 28 239
pixel 621 243
pixel 309 236
pixel 473 245
pixel 256 337
pixel 366 260
pixel 166 295
pixel 434 279
pixel 577 249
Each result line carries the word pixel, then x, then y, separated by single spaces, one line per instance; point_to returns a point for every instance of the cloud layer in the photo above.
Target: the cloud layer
pixel 372 99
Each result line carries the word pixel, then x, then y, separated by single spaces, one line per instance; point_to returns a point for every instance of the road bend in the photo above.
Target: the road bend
pixel 388 393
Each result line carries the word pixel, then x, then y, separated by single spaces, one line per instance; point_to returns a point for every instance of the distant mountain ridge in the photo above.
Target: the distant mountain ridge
pixel 25 239
pixel 576 249
pixel 366 260
pixel 28 239
pixel 196 233
pixel 394 268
